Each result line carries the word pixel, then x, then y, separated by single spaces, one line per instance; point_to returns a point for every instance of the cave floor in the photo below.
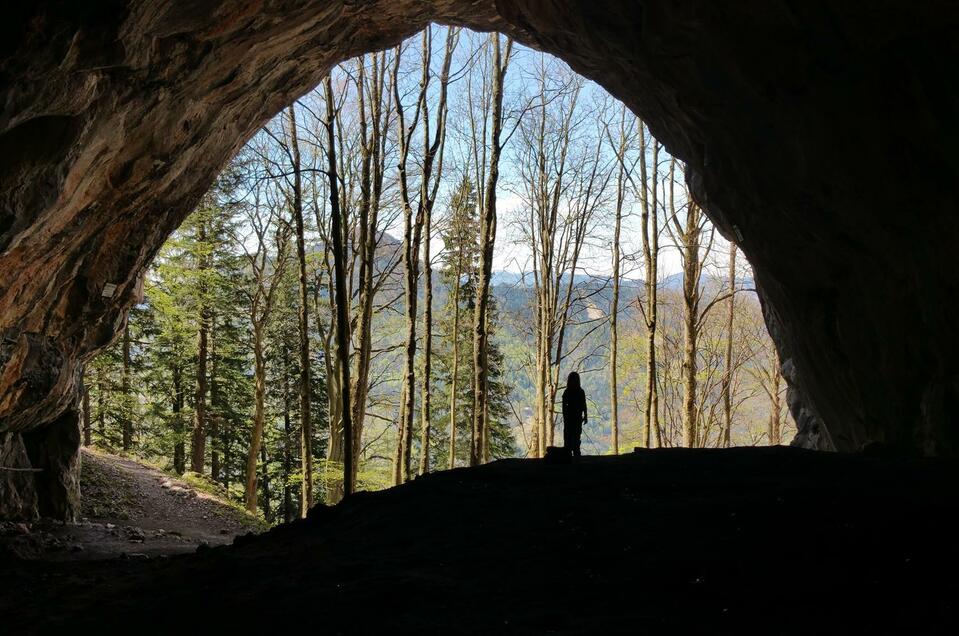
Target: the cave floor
pixel 758 540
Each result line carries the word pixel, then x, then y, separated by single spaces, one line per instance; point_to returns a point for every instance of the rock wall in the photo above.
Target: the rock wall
pixel 820 136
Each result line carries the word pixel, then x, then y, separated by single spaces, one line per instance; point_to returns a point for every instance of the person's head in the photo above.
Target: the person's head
pixel 572 381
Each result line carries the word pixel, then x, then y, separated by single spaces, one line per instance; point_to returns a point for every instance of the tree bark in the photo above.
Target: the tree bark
pixel 198 442
pixel 214 417
pixel 728 362
pixel 101 420
pixel 487 241
pixel 432 153
pixel 614 303
pixel 179 448
pixel 775 399
pixel 454 379
pixel 427 347
pixel 127 423
pixel 342 299
pixel 306 423
pixel 87 424
pixel 688 238
pixel 691 294
pixel 288 510
pixel 259 416
pixel 412 234
pixel 371 184
pixel 265 499
pixel 650 222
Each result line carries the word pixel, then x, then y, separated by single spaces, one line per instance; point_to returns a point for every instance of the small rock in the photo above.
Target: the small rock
pixel 136 535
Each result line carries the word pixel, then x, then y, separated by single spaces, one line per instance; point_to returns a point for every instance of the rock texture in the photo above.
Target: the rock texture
pixel 820 135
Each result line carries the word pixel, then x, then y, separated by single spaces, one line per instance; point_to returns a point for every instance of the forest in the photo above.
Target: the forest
pixel 397 273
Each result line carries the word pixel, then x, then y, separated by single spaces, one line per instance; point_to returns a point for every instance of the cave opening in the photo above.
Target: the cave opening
pixel 133 134
pixel 817 136
pixel 204 377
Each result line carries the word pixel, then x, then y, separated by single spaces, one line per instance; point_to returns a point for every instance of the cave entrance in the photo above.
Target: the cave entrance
pixel 205 375
pixel 116 122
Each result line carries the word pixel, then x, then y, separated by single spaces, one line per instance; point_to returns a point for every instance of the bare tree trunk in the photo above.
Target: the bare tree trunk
pixel 728 366
pixel 87 424
pixel 454 380
pixel 412 232
pixel 101 421
pixel 371 184
pixel 413 227
pixel 198 442
pixel 198 445
pixel 179 450
pixel 259 416
pixel 265 499
pixel 214 418
pixel 556 234
pixel 306 423
pixel 614 303
pixel 650 222
pixel 341 297
pixel 427 346
pixel 544 414
pixel 127 424
pixel 487 239
pixel 288 510
pixel 331 362
pixel 775 415
pixel 691 272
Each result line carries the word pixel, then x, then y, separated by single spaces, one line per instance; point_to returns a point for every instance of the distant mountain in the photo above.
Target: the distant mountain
pixel 675 281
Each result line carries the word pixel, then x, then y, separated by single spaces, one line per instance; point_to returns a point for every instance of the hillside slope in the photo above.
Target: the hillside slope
pixel 131 508
pixel 765 540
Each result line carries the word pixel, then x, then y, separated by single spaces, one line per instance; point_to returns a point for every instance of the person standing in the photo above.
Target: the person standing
pixel 574 414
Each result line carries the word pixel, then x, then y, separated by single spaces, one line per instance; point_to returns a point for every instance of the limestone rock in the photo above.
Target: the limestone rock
pixel 18 495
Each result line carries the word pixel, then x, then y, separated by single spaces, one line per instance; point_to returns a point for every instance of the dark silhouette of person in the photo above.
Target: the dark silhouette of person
pixel 574 413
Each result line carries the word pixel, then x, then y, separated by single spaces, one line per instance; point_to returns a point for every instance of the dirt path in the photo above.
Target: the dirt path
pixel 131 510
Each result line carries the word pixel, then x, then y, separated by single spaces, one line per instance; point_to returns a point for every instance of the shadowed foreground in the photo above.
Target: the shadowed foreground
pixel 773 540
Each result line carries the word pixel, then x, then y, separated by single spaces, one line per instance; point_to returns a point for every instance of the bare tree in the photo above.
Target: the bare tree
pixel 621 176
pixel 296 204
pixel 338 245
pixel 85 406
pixel 413 232
pixel 373 153
pixel 127 423
pixel 266 272
pixel 688 237
pixel 728 367
pixel 648 193
pixel 563 181
pixel 432 147
pixel 479 450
